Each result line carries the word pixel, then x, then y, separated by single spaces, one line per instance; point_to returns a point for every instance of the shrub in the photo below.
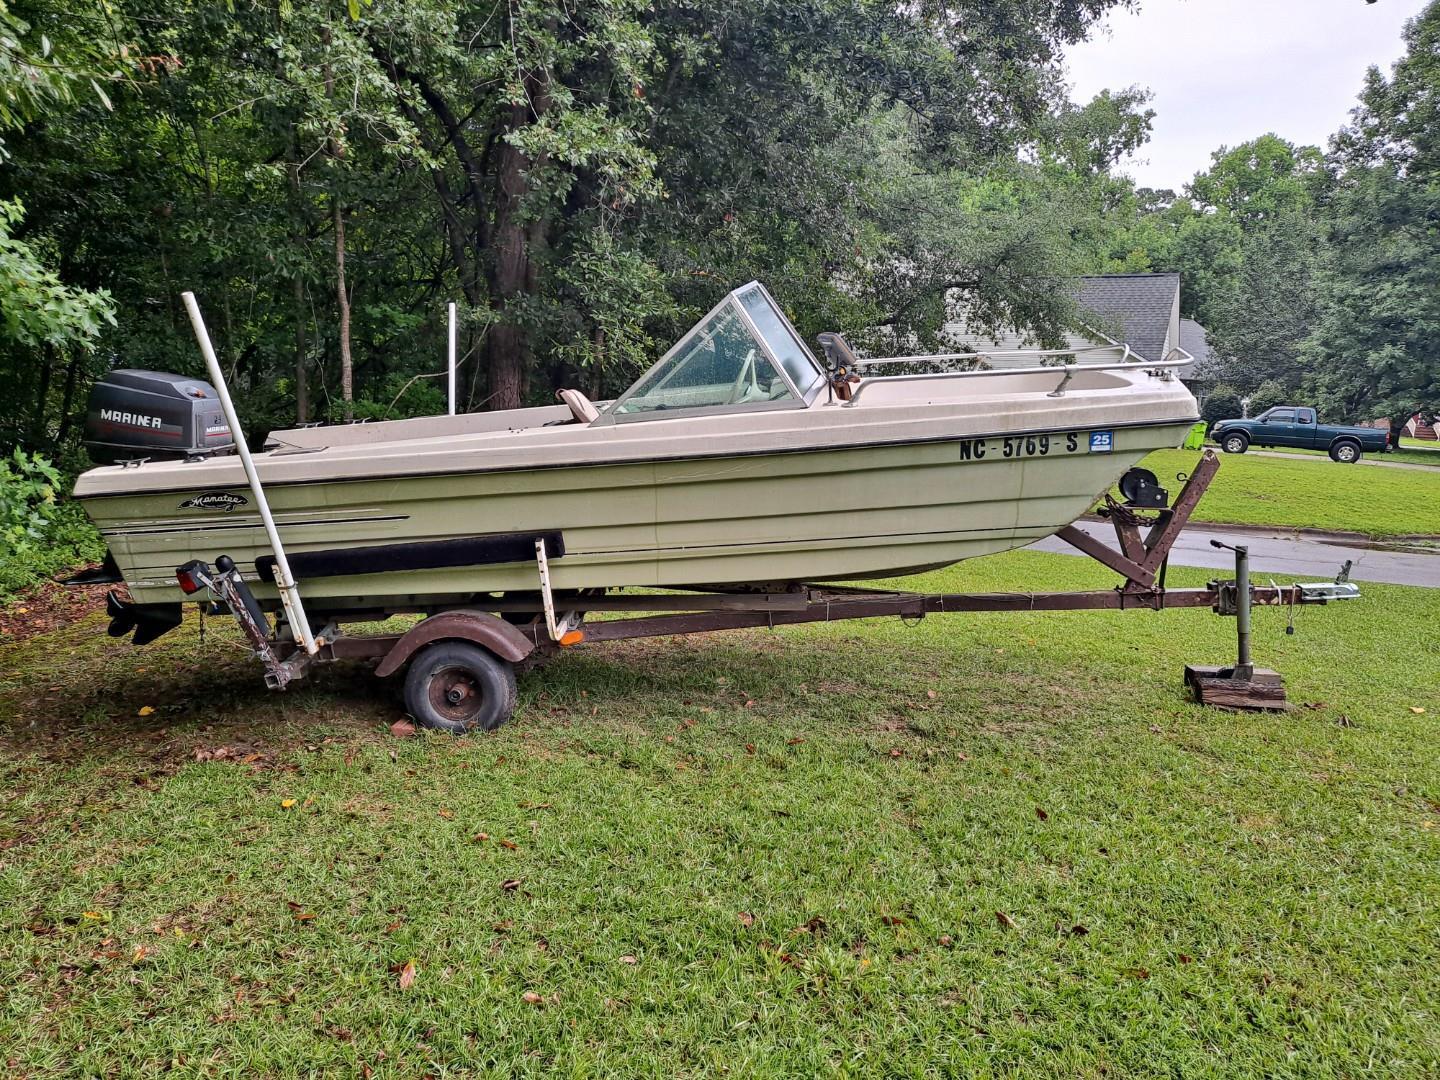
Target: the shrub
pixel 1222 404
pixel 40 533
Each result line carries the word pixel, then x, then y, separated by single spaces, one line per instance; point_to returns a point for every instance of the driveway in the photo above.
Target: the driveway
pixel 1275 551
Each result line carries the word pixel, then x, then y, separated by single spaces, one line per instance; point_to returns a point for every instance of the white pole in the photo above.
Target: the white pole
pixel 452 359
pixel 284 580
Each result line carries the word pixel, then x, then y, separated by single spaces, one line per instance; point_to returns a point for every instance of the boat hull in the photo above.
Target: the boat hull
pixel 771 516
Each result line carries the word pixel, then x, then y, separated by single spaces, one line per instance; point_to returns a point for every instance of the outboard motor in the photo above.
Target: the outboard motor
pixel 152 414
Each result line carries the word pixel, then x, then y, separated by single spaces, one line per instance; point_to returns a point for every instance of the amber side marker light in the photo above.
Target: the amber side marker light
pixel 573 637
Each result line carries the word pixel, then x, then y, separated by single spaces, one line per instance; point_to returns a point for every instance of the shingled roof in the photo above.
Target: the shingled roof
pixel 1135 308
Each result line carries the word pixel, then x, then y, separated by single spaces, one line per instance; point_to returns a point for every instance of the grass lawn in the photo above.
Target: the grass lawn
pixel 1252 490
pixel 999 845
pixel 1404 455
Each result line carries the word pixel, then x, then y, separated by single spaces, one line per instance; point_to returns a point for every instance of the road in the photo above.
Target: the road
pixel 1277 552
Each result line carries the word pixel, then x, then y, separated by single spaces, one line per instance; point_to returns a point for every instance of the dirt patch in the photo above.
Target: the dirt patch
pixel 47 607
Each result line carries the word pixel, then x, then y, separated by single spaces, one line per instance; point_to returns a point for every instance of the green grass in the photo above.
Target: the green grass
pixel 1405 456
pixel 1252 490
pixel 801 838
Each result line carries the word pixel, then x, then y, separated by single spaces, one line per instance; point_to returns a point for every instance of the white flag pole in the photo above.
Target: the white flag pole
pixel 452 359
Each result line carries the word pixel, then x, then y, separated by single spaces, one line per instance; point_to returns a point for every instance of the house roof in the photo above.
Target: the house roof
pixel 1194 341
pixel 1135 307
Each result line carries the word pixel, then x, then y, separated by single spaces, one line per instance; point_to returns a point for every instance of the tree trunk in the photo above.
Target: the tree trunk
pixel 506 350
pixel 37 418
pixel 347 371
pixel 67 399
pixel 297 286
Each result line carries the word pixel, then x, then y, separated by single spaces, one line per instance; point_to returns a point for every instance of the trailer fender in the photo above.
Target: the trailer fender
pixel 480 627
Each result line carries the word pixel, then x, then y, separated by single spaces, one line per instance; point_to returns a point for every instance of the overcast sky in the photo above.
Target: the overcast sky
pixel 1225 71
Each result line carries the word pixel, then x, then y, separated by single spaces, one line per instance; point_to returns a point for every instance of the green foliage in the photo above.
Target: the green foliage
pixel 35 308
pixel 39 534
pixel 1267 395
pixel 1222 403
pixel 1375 351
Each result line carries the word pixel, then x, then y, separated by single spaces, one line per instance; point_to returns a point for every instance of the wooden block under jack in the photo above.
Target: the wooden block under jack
pixel 1218 686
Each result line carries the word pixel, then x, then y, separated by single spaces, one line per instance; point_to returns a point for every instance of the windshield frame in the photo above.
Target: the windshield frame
pixel 799 398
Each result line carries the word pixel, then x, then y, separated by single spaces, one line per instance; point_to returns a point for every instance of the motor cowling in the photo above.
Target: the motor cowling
pixel 136 414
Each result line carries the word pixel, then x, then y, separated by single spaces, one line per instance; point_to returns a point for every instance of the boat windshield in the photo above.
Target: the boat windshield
pixel 743 353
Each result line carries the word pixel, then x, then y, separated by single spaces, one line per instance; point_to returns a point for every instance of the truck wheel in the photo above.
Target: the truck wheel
pixel 458 687
pixel 1234 444
pixel 1345 451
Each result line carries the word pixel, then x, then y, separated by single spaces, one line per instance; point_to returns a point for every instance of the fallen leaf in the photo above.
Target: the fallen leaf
pixel 931 694
pixel 793 742
pixel 1185 959
pixel 1139 973
pixel 508 845
pixel 814 925
pixel 628 959
pixel 286 804
pixel 750 703
pixel 945 941
pixel 146 710
pixel 746 919
pixel 304 916
pixel 1079 930
pixel 530 997
pixel 892 920
pixel 511 884
pixel 140 953
pixel 749 748
pixel 94 916
pixel 448 815
pixel 394 926
pixel 1418 710
pixel 1006 921
pixel 480 838
pixel 407 975
pixel 1041 814
pixel 402 729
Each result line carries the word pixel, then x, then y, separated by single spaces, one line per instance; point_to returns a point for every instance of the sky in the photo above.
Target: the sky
pixel 1224 71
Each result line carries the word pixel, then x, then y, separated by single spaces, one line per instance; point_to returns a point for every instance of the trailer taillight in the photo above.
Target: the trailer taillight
pixel 191 577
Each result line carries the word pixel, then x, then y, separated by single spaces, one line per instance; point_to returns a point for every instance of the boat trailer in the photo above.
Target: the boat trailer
pixel 461 660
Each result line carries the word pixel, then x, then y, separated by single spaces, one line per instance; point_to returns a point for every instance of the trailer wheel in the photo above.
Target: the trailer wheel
pixel 1235 444
pixel 458 687
pixel 1345 451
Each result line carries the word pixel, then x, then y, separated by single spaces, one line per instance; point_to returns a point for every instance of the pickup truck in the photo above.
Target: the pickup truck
pixel 1296 425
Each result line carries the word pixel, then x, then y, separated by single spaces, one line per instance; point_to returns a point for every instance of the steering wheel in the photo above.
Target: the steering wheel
pixel 738 390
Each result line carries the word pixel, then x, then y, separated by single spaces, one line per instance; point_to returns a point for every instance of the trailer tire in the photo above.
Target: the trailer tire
pixel 1234 443
pixel 458 687
pixel 1345 451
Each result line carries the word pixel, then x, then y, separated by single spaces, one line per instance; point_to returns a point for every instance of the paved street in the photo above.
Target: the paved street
pixel 1278 552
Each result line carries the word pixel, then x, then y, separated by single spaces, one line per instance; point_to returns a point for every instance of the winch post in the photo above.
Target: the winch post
pixel 284 580
pixel 1244 669
pixel 1243 686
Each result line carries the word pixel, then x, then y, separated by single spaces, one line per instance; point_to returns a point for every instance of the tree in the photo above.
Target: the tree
pixel 1267 395
pixel 1375 351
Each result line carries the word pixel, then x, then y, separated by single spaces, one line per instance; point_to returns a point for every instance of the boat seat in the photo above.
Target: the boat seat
pixel 581 407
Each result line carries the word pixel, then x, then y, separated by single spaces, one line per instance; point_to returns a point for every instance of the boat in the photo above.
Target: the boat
pixel 738 458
